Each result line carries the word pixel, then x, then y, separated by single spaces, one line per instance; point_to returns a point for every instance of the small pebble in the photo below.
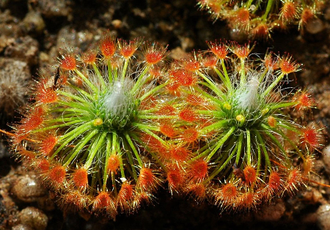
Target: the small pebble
pixel 323 217
pixel 21 227
pixel 23 48
pixel 271 212
pixel 315 26
pixel 313 196
pixel 326 158
pixel 117 24
pixel 33 22
pixel 54 9
pixel 28 188
pixel 327 14
pixel 34 218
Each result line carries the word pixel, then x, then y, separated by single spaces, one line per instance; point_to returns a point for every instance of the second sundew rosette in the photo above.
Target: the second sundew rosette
pixel 247 148
pixel 88 131
pixel 258 18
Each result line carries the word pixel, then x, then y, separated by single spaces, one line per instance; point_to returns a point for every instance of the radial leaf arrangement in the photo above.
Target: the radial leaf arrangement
pixel 257 18
pixel 248 149
pixel 88 130
pixel 111 124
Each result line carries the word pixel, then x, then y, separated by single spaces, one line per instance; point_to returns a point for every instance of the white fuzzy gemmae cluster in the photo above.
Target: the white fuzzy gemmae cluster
pixel 117 103
pixel 247 96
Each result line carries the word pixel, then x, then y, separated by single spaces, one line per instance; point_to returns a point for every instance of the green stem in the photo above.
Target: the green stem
pixel 147 131
pixel 263 75
pixel 88 82
pixel 107 155
pixel 83 92
pixel 123 74
pixel 148 111
pixel 62 119
pixel 74 112
pixel 224 69
pixel 278 144
pixel 114 149
pixel 79 147
pixel 153 155
pixel 263 146
pixel 248 4
pixel 56 126
pixel 77 98
pixel 219 169
pixel 141 80
pixel 135 151
pixel 145 127
pixel 72 135
pixel 239 149
pixel 220 114
pixel 248 146
pixel 216 125
pixel 289 127
pixel 98 74
pixel 268 9
pixel 208 96
pixel 131 163
pixel 204 148
pixel 110 77
pixel 210 84
pixel 270 88
pixel 282 105
pixel 224 79
pixel 115 74
pixel 73 105
pixel 259 159
pixel 94 149
pixel 220 143
pixel 154 90
pixel 242 73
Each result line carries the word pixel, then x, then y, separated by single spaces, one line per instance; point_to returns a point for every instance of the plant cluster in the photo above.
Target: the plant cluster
pixel 258 18
pixel 107 129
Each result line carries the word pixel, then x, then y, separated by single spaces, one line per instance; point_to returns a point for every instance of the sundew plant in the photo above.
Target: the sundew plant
pixel 88 130
pixel 258 18
pixel 247 146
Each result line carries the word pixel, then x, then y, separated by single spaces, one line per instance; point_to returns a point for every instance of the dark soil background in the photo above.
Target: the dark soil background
pixel 33 32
